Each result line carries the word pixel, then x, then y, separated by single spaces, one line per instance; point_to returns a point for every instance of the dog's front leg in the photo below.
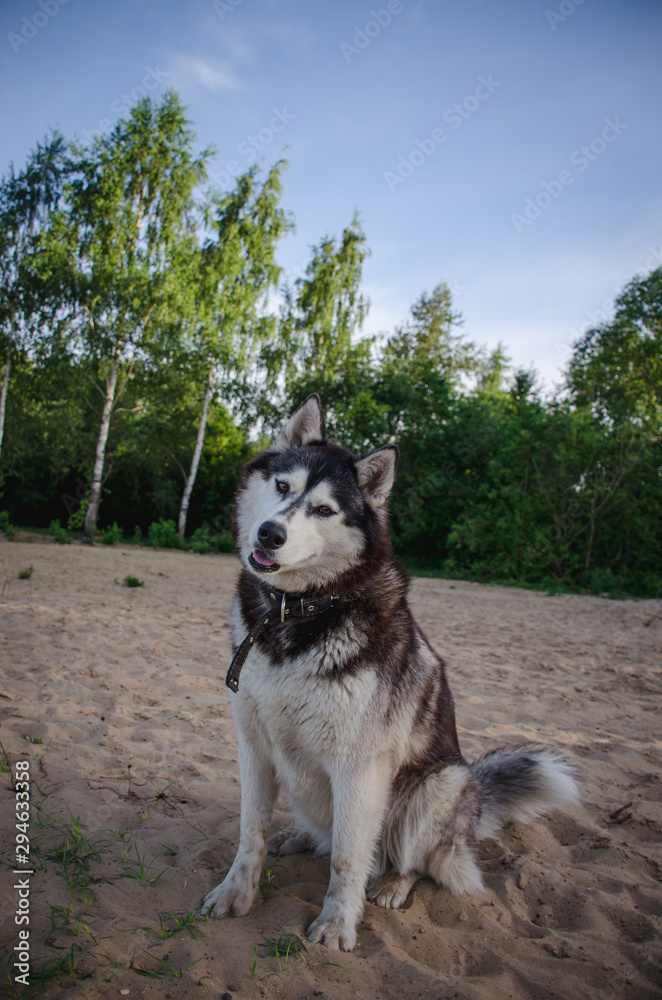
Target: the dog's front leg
pixel 360 793
pixel 235 893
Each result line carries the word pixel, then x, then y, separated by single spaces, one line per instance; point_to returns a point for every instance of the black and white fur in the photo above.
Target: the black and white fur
pixel 350 711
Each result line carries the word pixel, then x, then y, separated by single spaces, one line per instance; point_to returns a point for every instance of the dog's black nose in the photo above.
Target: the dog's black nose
pixel 271 535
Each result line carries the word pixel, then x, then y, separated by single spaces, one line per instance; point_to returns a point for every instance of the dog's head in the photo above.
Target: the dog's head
pixel 308 511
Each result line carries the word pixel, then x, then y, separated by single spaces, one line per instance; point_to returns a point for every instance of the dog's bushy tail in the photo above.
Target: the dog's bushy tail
pixel 520 783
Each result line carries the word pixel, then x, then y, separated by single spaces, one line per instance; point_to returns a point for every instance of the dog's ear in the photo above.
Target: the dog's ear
pixel 305 425
pixel 375 473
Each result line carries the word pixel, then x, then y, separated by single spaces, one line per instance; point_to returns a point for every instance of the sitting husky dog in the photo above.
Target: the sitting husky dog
pixel 342 701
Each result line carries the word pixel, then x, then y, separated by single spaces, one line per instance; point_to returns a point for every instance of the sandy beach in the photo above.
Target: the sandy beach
pixel 116 698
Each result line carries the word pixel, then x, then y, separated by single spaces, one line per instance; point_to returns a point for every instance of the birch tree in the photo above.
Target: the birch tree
pixel 327 308
pixel 232 274
pixel 616 368
pixel 130 210
pixel 318 347
pixel 26 199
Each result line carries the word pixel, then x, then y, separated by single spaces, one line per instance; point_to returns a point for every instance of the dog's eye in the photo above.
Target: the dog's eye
pixel 325 511
pixel 282 487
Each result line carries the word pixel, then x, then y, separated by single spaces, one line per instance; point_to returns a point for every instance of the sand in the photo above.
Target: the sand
pixel 116 698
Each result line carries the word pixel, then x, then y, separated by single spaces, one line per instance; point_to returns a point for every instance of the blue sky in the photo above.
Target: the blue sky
pixel 509 148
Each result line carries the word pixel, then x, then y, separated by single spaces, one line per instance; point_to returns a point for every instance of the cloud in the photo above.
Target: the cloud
pixel 216 75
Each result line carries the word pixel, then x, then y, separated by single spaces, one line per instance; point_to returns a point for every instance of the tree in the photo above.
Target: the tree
pixel 492 371
pixel 321 317
pixel 615 374
pixel 231 275
pixel 429 335
pixel 26 199
pixel 616 368
pixel 128 216
pixel 423 364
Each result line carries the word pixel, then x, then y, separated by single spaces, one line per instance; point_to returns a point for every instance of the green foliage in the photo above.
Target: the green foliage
pixel 322 313
pixel 163 534
pixel 329 308
pixel 133 581
pixel 60 534
pixel 283 948
pixel 112 534
pixel 224 542
pixel 204 540
pixel 173 923
pixel 616 369
pixel 76 520
pixel 228 280
pixel 5 524
pixel 25 574
pixel 137 868
pixel 108 255
pixel 200 540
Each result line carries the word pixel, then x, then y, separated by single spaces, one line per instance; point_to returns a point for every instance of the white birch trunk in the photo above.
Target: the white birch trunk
pixel 3 396
pixel 97 476
pixel 188 489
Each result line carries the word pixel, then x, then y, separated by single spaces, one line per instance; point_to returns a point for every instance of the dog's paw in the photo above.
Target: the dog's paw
pixel 233 897
pixel 391 890
pixel 337 934
pixel 289 840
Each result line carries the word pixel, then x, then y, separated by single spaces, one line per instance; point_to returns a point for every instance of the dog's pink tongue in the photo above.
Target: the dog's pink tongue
pixel 261 558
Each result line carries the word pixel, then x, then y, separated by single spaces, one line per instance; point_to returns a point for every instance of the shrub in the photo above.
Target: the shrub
pixel 137 535
pixel 222 542
pixel 6 525
pixel 133 581
pixel 112 535
pixel 163 534
pixel 604 582
pixel 25 574
pixel 60 534
pixel 202 540
pixel 76 520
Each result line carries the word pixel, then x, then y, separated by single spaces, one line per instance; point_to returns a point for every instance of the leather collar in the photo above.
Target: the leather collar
pixel 298 605
pixel 281 607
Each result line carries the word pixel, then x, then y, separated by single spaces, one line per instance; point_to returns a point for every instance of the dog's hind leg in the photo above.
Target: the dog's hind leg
pixel 290 840
pixel 430 829
pixel 391 890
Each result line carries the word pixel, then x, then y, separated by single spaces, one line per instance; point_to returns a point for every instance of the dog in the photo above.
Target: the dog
pixel 342 701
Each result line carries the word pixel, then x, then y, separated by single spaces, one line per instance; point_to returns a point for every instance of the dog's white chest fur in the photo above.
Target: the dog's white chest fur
pixel 292 703
pixel 305 724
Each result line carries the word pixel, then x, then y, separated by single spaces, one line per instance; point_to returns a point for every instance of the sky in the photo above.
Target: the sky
pixel 510 148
